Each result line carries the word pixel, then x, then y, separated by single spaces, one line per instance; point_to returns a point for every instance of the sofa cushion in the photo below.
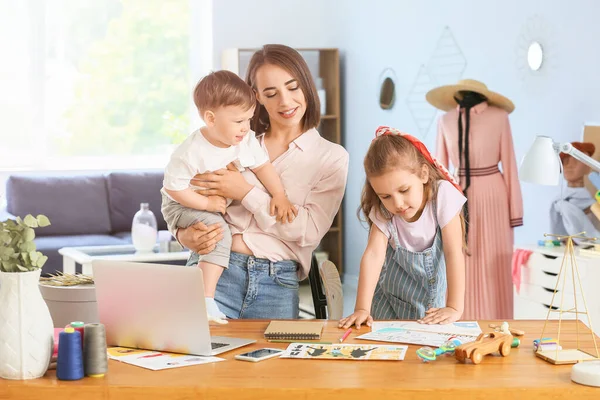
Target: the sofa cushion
pixel 75 204
pixel 127 190
pixel 49 246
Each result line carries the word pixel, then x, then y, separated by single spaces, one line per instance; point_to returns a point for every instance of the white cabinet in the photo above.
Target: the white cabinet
pixel 539 280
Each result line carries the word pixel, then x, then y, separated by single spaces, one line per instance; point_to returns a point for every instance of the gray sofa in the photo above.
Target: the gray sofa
pixel 84 210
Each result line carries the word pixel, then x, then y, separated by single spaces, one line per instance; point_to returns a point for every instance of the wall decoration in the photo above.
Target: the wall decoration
pixel 446 65
pixel 422 113
pixel 387 89
pixel 535 51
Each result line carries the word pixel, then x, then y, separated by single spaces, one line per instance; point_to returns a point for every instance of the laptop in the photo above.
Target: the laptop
pixel 156 307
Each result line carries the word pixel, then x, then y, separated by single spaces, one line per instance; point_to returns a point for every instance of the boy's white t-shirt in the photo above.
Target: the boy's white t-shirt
pixel 196 155
pixel 419 235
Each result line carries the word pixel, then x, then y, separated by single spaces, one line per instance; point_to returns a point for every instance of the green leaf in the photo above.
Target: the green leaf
pixel 25 258
pixel 18 220
pixel 15 240
pixel 34 256
pixel 5 238
pixel 28 234
pixel 9 266
pixel 30 221
pixel 41 261
pixel 27 247
pixel 22 268
pixel 10 223
pixel 43 220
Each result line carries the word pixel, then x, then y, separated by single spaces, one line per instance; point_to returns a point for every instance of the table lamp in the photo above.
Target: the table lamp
pixel 542 165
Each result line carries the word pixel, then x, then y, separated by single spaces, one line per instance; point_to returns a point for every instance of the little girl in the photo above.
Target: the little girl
pixel 412 203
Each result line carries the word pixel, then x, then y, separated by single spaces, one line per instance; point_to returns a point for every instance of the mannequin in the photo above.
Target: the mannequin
pixel 474 136
pixel 570 213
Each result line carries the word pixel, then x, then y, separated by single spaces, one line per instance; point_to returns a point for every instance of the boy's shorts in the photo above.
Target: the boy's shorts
pixel 178 216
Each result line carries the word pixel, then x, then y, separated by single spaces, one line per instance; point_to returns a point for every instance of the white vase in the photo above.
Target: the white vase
pixel 143 229
pixel 26 329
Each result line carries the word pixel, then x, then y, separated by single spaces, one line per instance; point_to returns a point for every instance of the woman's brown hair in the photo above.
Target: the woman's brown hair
pixel 291 61
pixel 388 152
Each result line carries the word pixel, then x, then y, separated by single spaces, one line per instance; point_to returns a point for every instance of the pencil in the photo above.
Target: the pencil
pixel 348 332
pixel 296 341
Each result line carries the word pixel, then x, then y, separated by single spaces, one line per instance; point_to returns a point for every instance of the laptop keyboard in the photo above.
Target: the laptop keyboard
pixel 214 345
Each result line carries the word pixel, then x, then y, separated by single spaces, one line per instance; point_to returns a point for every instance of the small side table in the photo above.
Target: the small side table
pixel 86 255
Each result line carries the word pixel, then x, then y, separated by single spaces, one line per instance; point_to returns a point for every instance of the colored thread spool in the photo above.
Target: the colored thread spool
pixel 78 326
pixel 69 366
pixel 94 351
pixel 516 342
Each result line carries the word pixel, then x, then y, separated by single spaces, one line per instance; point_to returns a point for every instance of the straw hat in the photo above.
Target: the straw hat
pixel 443 96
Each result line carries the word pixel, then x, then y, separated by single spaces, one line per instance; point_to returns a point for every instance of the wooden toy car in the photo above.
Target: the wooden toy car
pixel 486 343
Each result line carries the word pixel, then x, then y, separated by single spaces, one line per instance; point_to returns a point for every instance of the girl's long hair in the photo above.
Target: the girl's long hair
pixel 386 153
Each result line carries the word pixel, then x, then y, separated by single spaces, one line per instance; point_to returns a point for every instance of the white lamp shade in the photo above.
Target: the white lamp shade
pixel 541 164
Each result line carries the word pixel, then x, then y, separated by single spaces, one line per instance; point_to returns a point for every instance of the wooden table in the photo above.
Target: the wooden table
pixel 521 375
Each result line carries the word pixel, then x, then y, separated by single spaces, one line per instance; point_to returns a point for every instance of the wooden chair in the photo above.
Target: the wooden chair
pixel 326 288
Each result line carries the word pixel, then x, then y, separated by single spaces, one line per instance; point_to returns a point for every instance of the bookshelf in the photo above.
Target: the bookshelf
pixel 323 63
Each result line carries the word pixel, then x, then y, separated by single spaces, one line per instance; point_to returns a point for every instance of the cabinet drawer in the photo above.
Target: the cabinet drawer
pixel 543 296
pixel 550 265
pixel 525 308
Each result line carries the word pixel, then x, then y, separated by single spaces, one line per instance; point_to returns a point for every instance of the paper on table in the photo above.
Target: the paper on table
pixel 345 352
pixel 422 334
pixel 156 360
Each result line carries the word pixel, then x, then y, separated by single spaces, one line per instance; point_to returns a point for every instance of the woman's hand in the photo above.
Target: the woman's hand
pixel 358 317
pixel 200 238
pixel 444 315
pixel 223 182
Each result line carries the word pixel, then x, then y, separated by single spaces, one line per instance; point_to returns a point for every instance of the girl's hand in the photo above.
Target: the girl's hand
pixel 441 316
pixel 358 317
pixel 224 182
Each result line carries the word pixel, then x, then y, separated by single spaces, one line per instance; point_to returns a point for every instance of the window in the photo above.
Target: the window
pixel 94 84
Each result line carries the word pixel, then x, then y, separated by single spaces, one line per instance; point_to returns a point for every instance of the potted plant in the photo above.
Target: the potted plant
pixel 26 328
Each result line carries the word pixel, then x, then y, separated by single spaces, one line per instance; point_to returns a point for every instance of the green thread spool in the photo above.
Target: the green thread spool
pixel 516 342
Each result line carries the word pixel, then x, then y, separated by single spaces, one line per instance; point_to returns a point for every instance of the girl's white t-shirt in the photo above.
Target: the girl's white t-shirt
pixel 419 235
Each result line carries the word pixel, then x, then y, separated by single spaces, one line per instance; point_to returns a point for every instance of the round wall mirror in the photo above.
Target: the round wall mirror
pixel 535 56
pixel 387 93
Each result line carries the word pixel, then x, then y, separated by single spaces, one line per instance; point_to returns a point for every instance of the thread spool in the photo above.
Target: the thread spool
pixel 94 351
pixel 78 326
pixel 69 366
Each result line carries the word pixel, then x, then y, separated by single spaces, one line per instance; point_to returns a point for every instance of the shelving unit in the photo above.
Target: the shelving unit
pixel 323 63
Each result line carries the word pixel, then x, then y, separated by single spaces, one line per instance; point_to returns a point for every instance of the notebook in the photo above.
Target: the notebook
pixel 294 330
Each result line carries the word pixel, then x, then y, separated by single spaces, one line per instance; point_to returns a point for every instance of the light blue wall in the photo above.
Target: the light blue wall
pixel 403 35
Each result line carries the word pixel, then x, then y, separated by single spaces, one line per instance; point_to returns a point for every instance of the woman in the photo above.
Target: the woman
pixel 269 257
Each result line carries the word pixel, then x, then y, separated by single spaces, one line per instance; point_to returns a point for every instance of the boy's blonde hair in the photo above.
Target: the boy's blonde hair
pixel 223 89
pixel 386 153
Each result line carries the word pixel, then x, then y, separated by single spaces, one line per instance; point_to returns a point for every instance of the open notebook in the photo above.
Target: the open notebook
pixel 294 330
